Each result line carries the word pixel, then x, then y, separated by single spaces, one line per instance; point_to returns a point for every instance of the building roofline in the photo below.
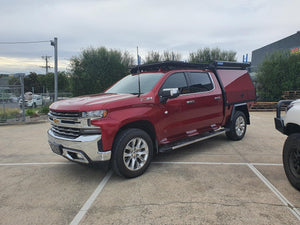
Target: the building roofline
pixel 296 34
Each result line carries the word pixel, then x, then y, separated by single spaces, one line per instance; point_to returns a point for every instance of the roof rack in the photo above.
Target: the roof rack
pixel 172 65
pixel 229 65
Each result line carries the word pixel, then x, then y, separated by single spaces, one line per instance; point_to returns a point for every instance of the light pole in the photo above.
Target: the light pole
pixel 54 44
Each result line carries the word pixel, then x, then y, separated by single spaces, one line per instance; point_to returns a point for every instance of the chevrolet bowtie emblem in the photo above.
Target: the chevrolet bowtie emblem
pixel 55 121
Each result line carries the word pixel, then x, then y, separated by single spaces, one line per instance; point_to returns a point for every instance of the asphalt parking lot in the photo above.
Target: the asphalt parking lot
pixel 213 182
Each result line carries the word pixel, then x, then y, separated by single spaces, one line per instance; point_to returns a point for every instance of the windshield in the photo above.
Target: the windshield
pixel 130 85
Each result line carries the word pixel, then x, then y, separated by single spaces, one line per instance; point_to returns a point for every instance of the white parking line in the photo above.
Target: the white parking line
pixel 281 197
pixel 91 200
pixel 35 164
pixel 276 192
pixel 100 187
pixel 184 163
pixel 265 164
pixel 219 163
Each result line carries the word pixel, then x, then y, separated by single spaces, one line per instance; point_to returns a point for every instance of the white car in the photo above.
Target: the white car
pixel 33 102
pixel 290 125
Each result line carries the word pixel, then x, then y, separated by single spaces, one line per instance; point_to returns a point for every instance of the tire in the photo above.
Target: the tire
pixel 237 127
pixel 291 159
pixel 132 153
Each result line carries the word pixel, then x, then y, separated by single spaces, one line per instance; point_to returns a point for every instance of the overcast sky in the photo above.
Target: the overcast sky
pixel 173 25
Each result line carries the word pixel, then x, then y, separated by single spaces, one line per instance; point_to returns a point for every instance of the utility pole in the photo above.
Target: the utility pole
pixel 46 57
pixel 54 44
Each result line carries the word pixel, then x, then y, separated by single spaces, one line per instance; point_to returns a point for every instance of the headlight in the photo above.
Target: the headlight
pixel 95 114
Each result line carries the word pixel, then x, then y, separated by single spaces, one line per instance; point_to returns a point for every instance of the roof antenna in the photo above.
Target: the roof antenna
pixel 138 70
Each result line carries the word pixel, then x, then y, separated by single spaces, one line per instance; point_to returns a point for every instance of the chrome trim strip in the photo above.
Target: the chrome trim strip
pixel 82 138
pixel 74 122
pixel 65 114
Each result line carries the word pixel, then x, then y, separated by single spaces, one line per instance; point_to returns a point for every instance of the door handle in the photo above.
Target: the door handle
pixel 190 101
pixel 218 98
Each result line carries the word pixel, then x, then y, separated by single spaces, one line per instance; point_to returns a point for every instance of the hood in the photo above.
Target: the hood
pixel 89 102
pixel 296 101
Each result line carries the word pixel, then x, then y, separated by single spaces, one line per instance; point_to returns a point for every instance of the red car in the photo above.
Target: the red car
pixel 158 107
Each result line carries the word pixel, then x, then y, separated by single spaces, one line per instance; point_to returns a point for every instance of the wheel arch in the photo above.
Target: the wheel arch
pixel 243 107
pixel 144 125
pixel 292 128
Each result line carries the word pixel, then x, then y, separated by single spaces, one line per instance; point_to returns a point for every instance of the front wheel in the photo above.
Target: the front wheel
pixel 237 127
pixel 132 153
pixel 291 159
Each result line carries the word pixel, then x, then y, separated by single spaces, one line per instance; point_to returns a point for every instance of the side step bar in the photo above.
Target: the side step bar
pixel 191 140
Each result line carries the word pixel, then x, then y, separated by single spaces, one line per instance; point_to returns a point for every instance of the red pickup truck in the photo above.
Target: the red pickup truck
pixel 157 108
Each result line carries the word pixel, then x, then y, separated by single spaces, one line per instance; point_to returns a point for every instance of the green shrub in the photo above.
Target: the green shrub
pixel 44 109
pixel 9 113
pixel 279 72
pixel 30 112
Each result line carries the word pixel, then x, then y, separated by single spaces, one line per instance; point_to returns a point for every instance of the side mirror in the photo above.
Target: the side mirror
pixel 168 93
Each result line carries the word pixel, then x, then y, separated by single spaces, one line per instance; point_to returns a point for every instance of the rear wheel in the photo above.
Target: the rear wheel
pixel 291 159
pixel 238 126
pixel 132 153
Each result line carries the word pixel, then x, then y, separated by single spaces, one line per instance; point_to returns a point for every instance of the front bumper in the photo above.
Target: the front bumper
pixel 83 149
pixel 279 125
pixel 278 120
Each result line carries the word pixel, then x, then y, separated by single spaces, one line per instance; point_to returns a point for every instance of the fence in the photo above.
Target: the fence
pixel 9 103
pixel 291 95
pixel 16 106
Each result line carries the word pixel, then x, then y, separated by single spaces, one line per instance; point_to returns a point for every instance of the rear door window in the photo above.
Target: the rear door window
pixel 200 82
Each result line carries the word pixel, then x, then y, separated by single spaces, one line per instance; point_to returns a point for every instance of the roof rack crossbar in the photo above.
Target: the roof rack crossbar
pixel 171 65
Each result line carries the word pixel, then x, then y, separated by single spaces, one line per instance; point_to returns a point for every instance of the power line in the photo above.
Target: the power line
pixel 21 42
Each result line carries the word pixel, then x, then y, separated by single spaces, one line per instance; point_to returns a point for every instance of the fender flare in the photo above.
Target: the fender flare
pixel 241 107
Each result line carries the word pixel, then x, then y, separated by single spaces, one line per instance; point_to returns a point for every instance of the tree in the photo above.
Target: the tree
pixel 63 80
pixel 43 83
pixel 171 56
pixel 97 69
pixel 14 81
pixel 32 83
pixel 154 57
pixel 207 55
pixel 279 72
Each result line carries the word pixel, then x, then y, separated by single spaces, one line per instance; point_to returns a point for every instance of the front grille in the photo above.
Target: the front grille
pixel 66 114
pixel 71 125
pixel 66 132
